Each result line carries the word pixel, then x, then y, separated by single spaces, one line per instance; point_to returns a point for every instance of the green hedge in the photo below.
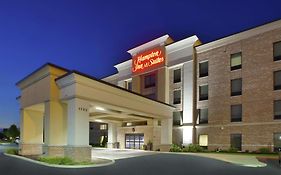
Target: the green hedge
pixel 175 148
pixel 193 148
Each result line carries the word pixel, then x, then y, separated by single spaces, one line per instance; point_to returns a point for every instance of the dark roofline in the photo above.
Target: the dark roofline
pixel 46 64
pixel 250 28
pixel 106 83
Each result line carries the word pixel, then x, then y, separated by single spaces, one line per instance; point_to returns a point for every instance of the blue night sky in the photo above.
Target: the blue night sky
pixel 91 36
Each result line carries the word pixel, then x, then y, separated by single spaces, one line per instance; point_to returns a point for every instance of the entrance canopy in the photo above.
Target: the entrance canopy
pixel 109 102
pixel 57 105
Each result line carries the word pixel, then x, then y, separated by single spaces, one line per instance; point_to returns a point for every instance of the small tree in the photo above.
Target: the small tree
pixel 12 131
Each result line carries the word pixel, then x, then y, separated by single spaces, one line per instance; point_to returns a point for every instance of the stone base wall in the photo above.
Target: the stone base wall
pixel 31 149
pixel 78 153
pixel 55 151
pixel 165 147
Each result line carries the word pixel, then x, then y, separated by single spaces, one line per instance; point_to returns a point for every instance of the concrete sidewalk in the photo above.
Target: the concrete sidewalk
pixel 115 154
pixel 243 160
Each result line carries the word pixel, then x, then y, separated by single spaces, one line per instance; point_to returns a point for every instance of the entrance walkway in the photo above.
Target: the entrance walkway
pixel 115 154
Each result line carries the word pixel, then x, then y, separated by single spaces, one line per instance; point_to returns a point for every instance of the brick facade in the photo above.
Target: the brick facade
pixel 257 125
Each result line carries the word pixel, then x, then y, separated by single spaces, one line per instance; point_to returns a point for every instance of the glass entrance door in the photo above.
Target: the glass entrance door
pixel 134 141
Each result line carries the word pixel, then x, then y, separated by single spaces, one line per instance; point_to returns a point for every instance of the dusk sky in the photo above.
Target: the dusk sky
pixel 92 36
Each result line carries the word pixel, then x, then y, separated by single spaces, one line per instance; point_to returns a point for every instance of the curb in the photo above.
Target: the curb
pixel 61 166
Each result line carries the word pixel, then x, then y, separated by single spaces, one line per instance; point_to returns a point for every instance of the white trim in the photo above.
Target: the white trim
pixel 239 36
pixel 179 45
pixel 150 44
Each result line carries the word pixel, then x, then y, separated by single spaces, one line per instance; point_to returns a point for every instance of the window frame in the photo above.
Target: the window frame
pixel 238 93
pixel 203 74
pixel 276 117
pixel 232 135
pixel 180 99
pixel 276 58
pixel 178 80
pixel 204 97
pixel 199 116
pixel 234 119
pixel 237 67
pixel 276 87
pixel 151 84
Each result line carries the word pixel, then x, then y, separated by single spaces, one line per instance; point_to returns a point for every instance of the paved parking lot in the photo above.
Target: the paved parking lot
pixel 116 154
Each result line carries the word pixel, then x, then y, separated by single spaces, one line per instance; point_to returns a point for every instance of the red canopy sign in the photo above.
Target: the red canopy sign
pixel 148 60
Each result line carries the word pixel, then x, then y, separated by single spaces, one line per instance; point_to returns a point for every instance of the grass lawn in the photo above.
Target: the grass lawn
pixel 62 161
pixel 2 141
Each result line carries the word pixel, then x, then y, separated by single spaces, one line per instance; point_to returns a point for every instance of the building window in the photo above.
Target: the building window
pixel 203 92
pixel 177 118
pixel 277 109
pixel 151 96
pixel 277 80
pixel 236 141
pixel 203 141
pixel 103 127
pixel 236 87
pixel 236 61
pixel 149 80
pixel 177 97
pixel 277 141
pixel 177 75
pixel 203 69
pixel 128 84
pixel 236 113
pixel 277 51
pixel 203 116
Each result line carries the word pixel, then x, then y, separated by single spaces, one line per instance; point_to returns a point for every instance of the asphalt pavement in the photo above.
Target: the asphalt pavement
pixel 157 164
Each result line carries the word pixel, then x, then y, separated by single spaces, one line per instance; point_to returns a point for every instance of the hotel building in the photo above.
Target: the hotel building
pixel 221 94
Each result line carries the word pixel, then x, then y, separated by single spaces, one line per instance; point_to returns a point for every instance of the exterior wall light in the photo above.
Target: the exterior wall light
pixel 100 108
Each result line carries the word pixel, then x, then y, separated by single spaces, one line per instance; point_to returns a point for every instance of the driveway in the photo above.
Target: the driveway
pixel 116 154
pixel 163 164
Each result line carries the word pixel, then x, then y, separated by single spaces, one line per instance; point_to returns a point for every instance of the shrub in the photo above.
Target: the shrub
pixel 12 151
pixel 175 148
pixel 193 148
pixel 264 150
pixel 232 150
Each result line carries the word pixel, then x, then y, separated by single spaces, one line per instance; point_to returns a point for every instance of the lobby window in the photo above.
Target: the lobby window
pixel 177 75
pixel 177 97
pixel 128 84
pixel 277 51
pixel 277 109
pixel 203 116
pixel 103 127
pixel 236 87
pixel 149 80
pixel 277 141
pixel 203 141
pixel 203 92
pixel 203 69
pixel 236 141
pixel 277 80
pixel 236 113
pixel 177 118
pixel 236 61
